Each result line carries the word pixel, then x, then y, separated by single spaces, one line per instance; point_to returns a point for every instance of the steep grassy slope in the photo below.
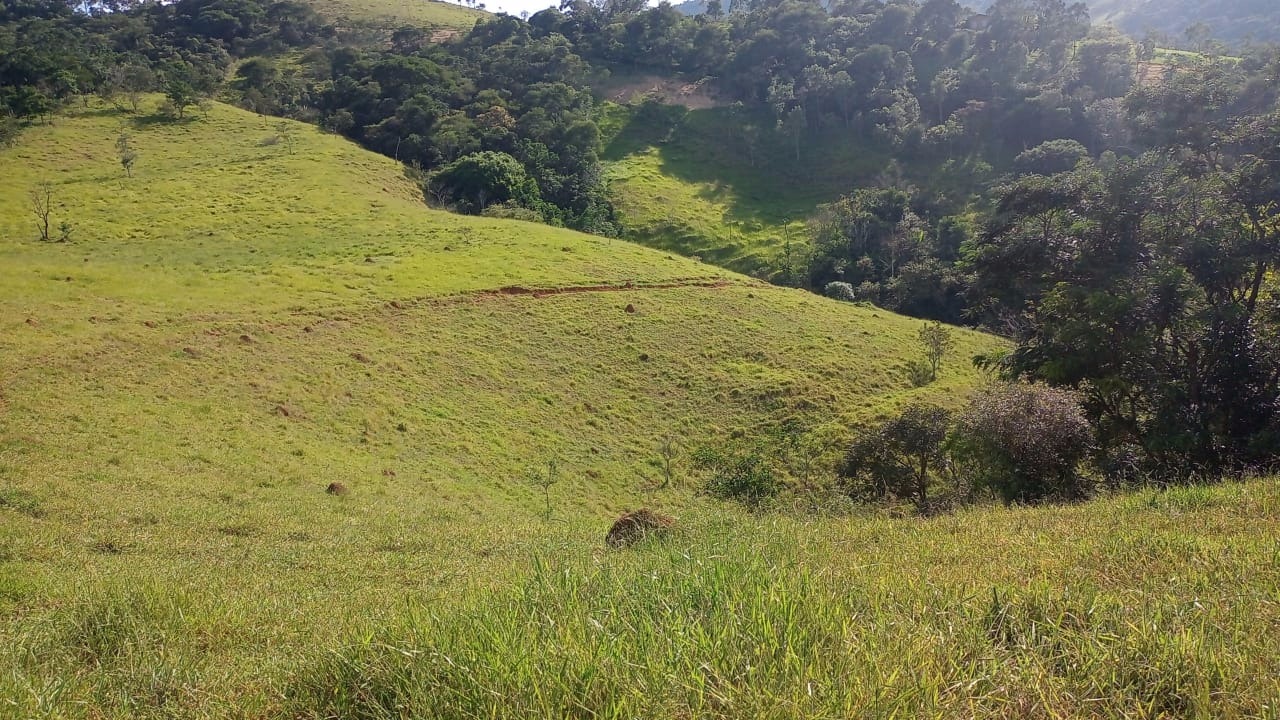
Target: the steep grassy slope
pixel 247 320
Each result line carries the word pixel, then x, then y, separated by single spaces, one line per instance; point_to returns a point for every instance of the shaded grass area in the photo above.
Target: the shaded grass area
pixel 687 181
pixel 692 182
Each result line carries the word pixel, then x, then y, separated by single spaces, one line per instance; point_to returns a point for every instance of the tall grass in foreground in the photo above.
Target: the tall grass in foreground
pixel 780 619
pixel 1153 605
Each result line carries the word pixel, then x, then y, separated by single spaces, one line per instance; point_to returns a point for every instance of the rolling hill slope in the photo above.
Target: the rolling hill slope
pixel 307 301
pixel 247 320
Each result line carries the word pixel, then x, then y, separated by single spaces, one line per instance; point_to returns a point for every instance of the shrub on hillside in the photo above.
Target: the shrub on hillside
pixel 745 478
pixel 1026 442
pixel 902 457
pixel 10 128
pixel 476 181
pixel 1051 158
pixel 840 291
pixel 512 211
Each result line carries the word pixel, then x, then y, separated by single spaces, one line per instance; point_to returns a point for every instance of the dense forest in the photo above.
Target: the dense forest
pixel 1120 228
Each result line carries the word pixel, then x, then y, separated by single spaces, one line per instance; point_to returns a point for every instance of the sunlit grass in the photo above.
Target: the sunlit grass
pixel 1157 605
pixel 238 326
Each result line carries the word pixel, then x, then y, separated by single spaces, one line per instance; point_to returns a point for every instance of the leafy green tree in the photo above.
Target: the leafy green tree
pixel 936 340
pixel 1051 158
pixel 1143 287
pixel 902 457
pixel 484 178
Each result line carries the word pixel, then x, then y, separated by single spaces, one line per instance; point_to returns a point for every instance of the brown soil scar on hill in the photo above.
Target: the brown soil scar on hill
pixel 511 290
pixel 695 96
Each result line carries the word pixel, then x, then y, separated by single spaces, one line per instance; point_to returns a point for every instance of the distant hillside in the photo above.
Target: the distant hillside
pixel 1228 20
pixel 390 14
pixel 683 180
pixel 692 181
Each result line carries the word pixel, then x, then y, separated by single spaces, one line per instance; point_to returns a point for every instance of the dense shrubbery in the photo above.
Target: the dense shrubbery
pixel 1022 442
pixel 745 477
pixel 900 458
pixel 1026 442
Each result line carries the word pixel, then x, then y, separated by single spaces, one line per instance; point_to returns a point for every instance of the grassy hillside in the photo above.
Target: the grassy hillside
pixel 250 318
pixel 391 14
pixel 689 181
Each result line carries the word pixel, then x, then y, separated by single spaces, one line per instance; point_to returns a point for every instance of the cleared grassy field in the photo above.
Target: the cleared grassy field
pixel 391 14
pixel 250 318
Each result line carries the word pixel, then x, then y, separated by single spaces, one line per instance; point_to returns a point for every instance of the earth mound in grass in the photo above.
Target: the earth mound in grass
pixel 636 526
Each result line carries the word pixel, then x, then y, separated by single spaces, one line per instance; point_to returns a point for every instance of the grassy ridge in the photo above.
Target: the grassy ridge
pixel 217 219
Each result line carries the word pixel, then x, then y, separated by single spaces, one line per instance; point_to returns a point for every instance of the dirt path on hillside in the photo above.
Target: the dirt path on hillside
pixel 511 291
pixel 346 312
pixel 1150 73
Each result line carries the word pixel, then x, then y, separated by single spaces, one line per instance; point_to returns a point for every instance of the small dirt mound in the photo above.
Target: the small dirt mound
pixel 336 488
pixel 630 309
pixel 636 526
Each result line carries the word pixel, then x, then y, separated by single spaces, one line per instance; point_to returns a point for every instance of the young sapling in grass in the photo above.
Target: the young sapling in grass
pixel 42 207
pixel 544 479
pixel 126 153
pixel 937 340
